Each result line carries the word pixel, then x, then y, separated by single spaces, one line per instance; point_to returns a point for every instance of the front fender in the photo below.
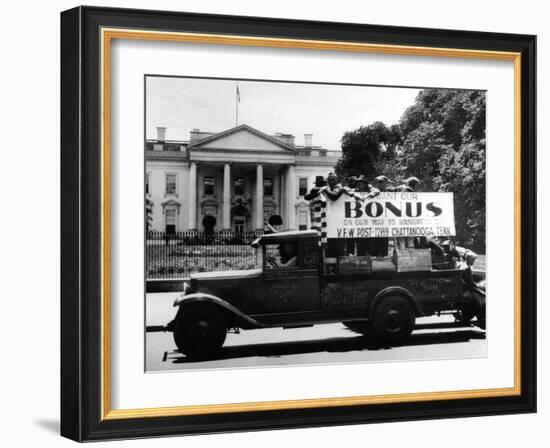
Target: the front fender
pixel 398 290
pixel 243 319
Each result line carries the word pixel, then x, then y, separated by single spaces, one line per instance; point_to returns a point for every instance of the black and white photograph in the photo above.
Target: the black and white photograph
pixel 293 223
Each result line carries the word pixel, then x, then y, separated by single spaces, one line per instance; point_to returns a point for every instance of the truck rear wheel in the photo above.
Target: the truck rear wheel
pixel 393 319
pixel 480 315
pixel 200 331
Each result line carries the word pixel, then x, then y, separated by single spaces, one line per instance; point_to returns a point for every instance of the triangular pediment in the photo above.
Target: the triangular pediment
pixel 241 138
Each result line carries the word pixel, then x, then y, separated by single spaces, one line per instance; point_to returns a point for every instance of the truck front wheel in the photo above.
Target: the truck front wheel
pixel 393 319
pixel 199 331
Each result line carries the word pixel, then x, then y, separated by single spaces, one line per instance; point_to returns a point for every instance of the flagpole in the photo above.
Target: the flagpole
pixel 237 104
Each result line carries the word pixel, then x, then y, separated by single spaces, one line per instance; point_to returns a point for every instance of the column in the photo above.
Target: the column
pixel 259 197
pixel 277 194
pixel 282 196
pixel 226 212
pixel 192 196
pixel 291 198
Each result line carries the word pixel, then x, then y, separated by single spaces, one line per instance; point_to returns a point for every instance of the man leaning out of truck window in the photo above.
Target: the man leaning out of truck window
pixel 287 257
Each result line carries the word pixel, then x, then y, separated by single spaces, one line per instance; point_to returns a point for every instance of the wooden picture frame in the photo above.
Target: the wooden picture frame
pixel 86 35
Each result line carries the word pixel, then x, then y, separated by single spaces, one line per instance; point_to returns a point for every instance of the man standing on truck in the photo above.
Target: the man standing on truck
pixel 383 184
pixel 287 256
pixel 352 182
pixel 335 246
pixel 381 245
pixel 364 246
pixel 333 191
pixel 413 183
pixel 363 186
pixel 334 188
pixel 472 290
pixel 409 185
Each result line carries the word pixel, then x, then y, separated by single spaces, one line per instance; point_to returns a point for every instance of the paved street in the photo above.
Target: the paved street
pixel 329 343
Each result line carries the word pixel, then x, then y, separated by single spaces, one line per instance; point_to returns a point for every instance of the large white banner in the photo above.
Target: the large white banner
pixel 388 215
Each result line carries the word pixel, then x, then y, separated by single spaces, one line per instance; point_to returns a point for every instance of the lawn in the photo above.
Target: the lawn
pixel 178 261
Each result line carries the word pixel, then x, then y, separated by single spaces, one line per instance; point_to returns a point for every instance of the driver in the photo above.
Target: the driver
pixel 287 256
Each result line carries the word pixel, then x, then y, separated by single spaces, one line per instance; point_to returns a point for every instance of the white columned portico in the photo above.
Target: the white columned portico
pixel 226 212
pixel 259 197
pixel 282 194
pixel 291 198
pixel 193 196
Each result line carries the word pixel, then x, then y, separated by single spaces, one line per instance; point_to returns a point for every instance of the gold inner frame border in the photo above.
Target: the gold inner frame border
pixel 107 35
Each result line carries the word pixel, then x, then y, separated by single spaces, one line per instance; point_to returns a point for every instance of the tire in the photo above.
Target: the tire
pixel 479 309
pixel 393 319
pixel 200 331
pixel 476 308
pixel 480 318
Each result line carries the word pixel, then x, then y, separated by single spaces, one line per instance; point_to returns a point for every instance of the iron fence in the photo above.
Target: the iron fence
pixel 176 255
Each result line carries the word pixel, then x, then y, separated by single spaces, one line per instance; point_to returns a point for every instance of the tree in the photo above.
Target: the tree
pixel 441 140
pixel 444 146
pixel 463 173
pixel 422 151
pixel 368 148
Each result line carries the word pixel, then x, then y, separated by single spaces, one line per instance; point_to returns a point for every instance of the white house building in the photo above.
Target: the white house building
pixel 234 180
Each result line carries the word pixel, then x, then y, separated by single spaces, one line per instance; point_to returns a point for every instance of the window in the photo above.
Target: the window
pixel 210 210
pixel 171 185
pixel 171 147
pixel 302 186
pixel 170 220
pixel 268 186
pixel 209 185
pixel 239 225
pixel 302 220
pixel 238 186
pixel 283 255
pixel 147 187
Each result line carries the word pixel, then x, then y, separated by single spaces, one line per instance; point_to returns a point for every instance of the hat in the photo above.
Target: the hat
pixel 404 188
pixel 381 179
pixel 361 178
pixel 412 180
pixel 319 181
pixel 331 174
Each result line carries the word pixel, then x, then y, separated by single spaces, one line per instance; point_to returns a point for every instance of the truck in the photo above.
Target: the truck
pixel 378 297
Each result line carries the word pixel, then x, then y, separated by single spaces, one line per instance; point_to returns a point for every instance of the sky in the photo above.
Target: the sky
pixel 324 110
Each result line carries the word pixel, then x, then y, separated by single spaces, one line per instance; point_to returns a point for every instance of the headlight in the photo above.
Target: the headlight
pixel 186 287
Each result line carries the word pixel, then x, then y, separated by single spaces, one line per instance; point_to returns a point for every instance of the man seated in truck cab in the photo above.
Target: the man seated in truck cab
pixel 287 257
